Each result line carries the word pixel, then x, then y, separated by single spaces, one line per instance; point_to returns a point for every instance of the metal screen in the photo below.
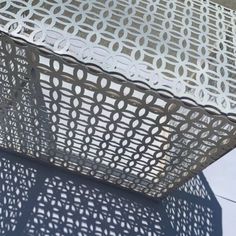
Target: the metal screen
pixel 141 95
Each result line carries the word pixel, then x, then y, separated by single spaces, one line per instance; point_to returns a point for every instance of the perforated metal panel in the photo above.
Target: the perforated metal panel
pixel 139 94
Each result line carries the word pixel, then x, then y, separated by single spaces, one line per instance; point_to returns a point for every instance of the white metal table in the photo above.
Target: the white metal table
pixel 141 94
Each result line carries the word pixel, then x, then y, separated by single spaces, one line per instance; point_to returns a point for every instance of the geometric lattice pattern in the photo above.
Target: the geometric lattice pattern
pixel 16 182
pixel 83 119
pixel 180 48
pixel 38 201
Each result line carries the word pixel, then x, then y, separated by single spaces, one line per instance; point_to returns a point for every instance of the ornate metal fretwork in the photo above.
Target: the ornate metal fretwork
pixel 140 94
pixel 182 48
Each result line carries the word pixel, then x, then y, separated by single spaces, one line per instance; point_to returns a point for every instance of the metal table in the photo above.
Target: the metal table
pixel 141 94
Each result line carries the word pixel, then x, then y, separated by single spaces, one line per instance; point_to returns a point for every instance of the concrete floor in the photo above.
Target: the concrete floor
pixel 227 3
pixel 221 177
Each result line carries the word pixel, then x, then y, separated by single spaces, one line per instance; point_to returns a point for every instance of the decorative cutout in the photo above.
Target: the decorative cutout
pixel 38 201
pixel 84 120
pixel 184 49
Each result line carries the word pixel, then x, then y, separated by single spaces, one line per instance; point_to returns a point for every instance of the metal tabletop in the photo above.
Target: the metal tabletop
pixel 138 93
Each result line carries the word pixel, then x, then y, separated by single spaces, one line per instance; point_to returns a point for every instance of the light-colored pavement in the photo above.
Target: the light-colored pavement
pixel 227 3
pixel 221 176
